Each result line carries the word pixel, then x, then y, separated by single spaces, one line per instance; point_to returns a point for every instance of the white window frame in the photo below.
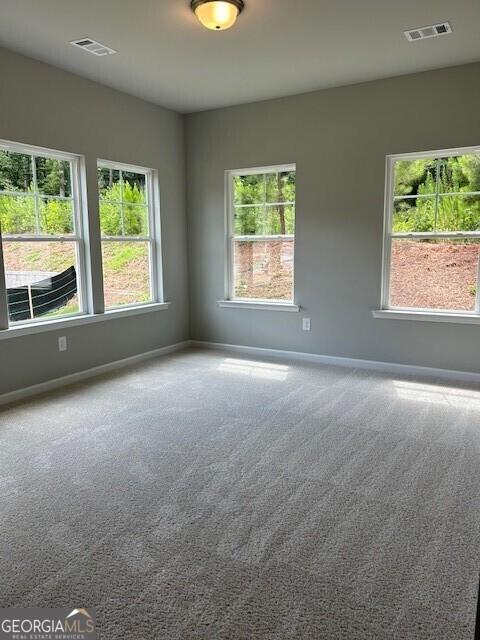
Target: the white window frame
pixel 154 238
pixel 414 313
pixel 78 237
pixel 230 299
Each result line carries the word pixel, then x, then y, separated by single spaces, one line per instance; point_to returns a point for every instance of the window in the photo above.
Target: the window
pixel 44 241
pixel 131 259
pixel 41 233
pixel 432 232
pixel 261 234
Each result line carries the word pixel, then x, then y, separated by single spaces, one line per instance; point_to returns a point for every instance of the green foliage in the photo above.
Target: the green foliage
pixel 15 171
pixel 16 174
pixel 249 189
pixel 53 177
pixel 408 217
pixel 131 219
pixel 458 214
pixel 265 192
pixel 459 174
pixel 264 220
pixel 411 174
pixel 19 215
pixel 23 213
pixel 124 255
pixel 56 217
pixel 426 178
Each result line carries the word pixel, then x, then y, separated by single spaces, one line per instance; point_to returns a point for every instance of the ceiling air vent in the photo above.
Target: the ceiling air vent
pixel 92 46
pixel 432 31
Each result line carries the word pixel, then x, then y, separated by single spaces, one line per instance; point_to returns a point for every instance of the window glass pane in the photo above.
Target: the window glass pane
pixel 249 189
pixel 434 274
pixel 18 215
pixel 56 216
pixel 134 187
pixel 126 273
pixel 109 187
pixel 415 177
pixel 41 279
pixel 280 187
pixel 458 213
pixel 414 215
pixel 53 177
pixel 268 220
pixel 264 270
pixel 15 171
pixel 459 174
pixel 250 221
pixel 280 220
pixel 112 221
pixel 123 220
pixel 136 220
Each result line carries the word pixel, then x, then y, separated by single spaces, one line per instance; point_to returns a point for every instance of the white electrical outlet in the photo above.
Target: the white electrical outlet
pixel 62 343
pixel 306 325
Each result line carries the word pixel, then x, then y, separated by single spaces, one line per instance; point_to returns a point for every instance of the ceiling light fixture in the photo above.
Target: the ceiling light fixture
pixel 217 15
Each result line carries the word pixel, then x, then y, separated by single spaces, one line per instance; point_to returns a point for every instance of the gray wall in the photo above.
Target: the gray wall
pixel 339 222
pixel 44 106
pixel 339 225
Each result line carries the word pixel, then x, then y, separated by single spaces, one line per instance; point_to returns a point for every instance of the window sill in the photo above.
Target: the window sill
pixel 427 316
pixel 122 312
pixel 261 305
pixel 79 320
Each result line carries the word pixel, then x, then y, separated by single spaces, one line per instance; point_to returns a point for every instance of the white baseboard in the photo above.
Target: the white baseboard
pixel 56 383
pixel 388 367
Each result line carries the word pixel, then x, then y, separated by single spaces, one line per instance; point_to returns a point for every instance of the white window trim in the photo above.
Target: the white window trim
pixel 155 237
pixel 76 320
pixel 230 301
pixel 427 316
pixel 423 315
pixel 246 303
pixel 80 237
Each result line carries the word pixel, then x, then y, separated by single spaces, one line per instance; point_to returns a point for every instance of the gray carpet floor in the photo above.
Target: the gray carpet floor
pixel 204 495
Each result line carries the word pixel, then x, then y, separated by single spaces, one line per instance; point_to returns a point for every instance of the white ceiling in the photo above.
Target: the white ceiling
pixel 277 48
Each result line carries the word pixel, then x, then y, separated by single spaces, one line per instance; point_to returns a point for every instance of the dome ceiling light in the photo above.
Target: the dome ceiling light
pixel 217 15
